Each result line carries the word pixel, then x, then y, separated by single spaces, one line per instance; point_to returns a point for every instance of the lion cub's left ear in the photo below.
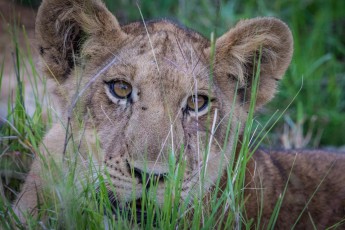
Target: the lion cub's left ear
pixel 237 53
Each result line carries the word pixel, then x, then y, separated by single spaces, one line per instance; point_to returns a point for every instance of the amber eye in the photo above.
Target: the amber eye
pixel 201 101
pixel 120 89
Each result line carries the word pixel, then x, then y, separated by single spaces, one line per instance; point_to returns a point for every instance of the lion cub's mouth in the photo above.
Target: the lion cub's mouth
pixel 145 178
pixel 133 210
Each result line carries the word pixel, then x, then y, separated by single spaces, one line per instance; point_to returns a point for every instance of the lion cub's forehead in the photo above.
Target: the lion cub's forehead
pixel 165 54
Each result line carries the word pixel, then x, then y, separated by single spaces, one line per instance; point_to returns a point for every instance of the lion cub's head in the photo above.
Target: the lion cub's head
pixel 155 90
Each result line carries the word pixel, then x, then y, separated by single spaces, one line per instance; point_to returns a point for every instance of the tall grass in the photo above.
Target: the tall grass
pixel 318 56
pixel 20 132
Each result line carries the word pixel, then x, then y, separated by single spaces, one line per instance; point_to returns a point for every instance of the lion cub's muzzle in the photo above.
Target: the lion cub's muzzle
pixel 146 177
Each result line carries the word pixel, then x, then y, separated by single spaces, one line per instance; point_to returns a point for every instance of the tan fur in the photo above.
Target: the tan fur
pixel 315 185
pixel 166 64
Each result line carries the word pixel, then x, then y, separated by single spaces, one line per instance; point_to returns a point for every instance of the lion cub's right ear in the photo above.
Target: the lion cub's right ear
pixel 67 30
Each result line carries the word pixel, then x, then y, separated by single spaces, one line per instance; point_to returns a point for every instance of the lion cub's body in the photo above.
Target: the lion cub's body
pixel 314 181
pixel 137 88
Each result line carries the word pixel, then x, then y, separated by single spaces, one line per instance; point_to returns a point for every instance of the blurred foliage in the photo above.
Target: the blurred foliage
pixel 319 50
pixel 32 3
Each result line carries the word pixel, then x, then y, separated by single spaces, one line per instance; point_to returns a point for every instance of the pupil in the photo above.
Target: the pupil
pixel 122 89
pixel 197 100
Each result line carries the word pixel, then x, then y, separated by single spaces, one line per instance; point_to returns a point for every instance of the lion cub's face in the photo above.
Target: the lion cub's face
pixel 155 91
pixel 154 101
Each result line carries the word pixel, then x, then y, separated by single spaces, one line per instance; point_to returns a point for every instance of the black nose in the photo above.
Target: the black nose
pixel 146 176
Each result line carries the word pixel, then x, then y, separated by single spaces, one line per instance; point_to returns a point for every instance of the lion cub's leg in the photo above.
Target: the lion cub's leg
pixel 51 150
pixel 27 200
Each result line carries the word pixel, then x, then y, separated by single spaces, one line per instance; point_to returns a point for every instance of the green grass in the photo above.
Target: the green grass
pixel 312 90
pixel 20 133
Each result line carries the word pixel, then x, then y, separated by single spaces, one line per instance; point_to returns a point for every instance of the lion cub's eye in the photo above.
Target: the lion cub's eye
pixel 201 101
pixel 120 89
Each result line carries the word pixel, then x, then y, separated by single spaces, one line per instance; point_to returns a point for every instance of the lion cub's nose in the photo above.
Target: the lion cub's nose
pixel 146 174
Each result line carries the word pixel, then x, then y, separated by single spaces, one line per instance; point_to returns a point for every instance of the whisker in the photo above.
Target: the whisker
pixel 196 64
pixel 180 48
pixel 175 65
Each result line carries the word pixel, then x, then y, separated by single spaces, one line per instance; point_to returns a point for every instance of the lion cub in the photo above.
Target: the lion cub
pixel 145 88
